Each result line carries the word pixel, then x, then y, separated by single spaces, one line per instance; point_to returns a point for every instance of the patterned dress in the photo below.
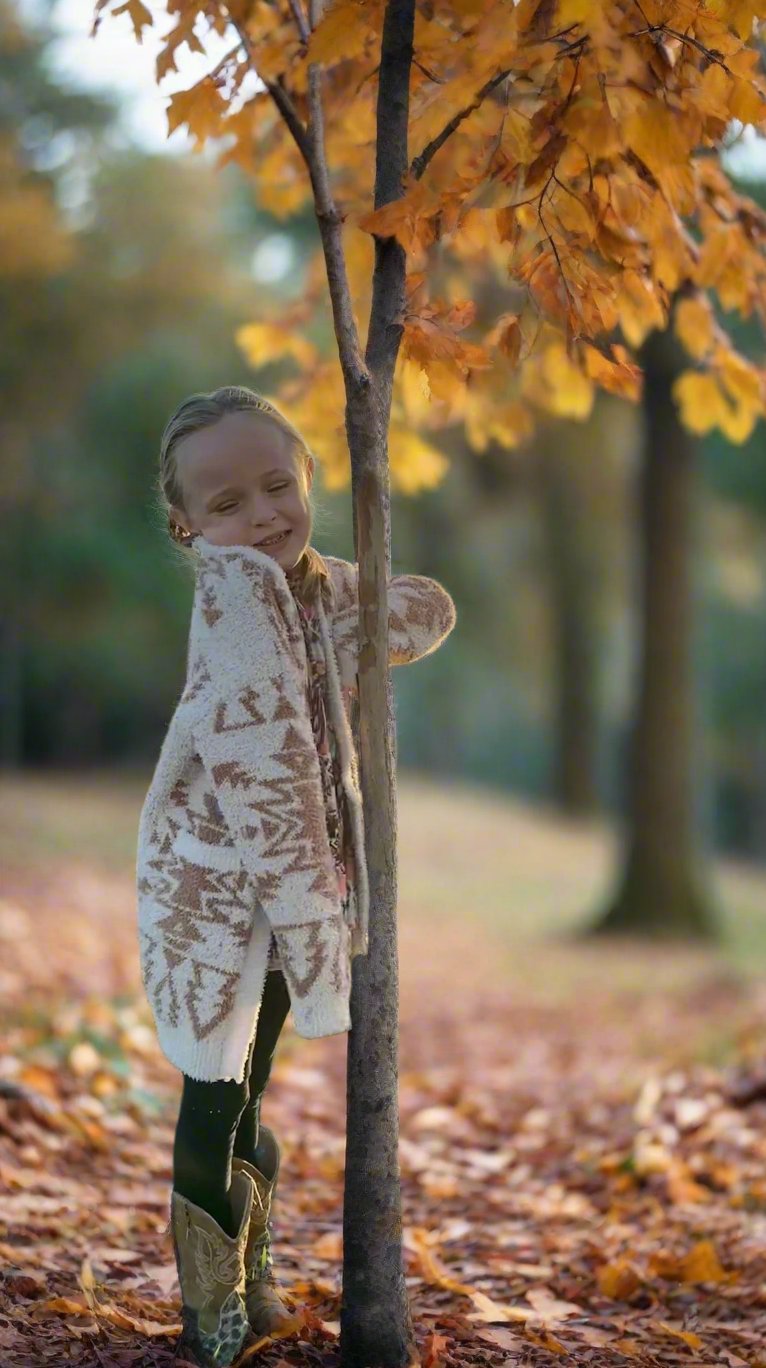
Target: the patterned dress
pixel 336 811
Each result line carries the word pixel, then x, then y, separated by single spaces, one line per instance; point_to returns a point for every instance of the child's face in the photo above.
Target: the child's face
pixel 242 484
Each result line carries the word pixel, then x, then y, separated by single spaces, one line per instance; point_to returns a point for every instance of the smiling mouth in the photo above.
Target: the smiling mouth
pixel 272 541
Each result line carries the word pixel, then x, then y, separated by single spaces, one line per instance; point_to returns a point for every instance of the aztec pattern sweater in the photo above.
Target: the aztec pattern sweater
pixel 232 838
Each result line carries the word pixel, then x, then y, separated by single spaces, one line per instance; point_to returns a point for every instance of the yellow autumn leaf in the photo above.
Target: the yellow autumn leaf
pixel 694 325
pixel 746 102
pixel 700 400
pixel 737 423
pixel 714 256
pixel 477 230
pixel 510 424
pixel 572 393
pixel 654 133
pixel 487 419
pixel 618 1280
pixel 408 219
pixel 575 214
pixel 411 389
pixel 590 122
pixel 703 1265
pixel 738 13
pixel 451 97
pixel 443 378
pixel 203 109
pixel 670 259
pixel 182 33
pixel 617 373
pixel 688 1336
pixel 742 385
pixel 264 342
pixel 682 1187
pixel 415 464
pixel 140 16
pixel 342 32
pixel 509 338
pixel 556 383
pixel 734 286
pixel 639 307
pixel 740 377
pixel 283 197
pixel 575 11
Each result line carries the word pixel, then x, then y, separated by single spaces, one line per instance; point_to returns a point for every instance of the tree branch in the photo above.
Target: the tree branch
pixel 300 20
pixel 391 155
pixel 330 222
pixel 420 162
pixel 290 115
pixel 279 95
pixel 310 143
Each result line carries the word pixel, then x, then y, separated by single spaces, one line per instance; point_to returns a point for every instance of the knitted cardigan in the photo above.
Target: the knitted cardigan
pixel 232 836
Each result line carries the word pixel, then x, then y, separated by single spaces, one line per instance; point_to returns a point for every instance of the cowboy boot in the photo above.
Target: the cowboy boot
pixel 266 1312
pixel 211 1275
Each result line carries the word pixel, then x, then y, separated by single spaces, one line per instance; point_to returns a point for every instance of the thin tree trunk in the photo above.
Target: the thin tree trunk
pixel 11 688
pixel 572 610
pixel 376 1327
pixel 661 890
pixel 16 505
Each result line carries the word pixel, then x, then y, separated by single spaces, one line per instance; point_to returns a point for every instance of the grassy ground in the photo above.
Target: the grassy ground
pixel 518 874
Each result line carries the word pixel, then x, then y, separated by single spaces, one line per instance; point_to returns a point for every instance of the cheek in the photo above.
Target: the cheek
pixel 299 511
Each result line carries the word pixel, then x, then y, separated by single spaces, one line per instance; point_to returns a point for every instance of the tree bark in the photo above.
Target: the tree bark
pixel 571 586
pixel 376 1327
pixel 662 890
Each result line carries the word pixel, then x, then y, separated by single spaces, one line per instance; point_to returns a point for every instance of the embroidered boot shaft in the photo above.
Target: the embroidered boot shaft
pixel 211 1275
pixel 265 1309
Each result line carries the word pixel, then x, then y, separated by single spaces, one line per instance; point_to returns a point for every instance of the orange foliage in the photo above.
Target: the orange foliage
pixel 568 150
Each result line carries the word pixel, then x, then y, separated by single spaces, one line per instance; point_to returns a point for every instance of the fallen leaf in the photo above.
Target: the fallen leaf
pixel 688 1336
pixel 550 1308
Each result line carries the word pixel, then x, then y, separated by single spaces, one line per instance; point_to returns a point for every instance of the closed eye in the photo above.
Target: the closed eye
pixel 275 489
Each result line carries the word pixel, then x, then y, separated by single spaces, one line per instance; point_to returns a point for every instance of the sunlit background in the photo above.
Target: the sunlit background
pixel 127 271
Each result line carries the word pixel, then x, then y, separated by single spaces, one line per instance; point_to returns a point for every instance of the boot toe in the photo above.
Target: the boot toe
pixel 266 1312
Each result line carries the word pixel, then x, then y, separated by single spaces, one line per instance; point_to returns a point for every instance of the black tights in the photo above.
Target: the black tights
pixel 218 1120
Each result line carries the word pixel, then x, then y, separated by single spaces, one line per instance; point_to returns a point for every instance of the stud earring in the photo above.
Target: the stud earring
pixel 179 534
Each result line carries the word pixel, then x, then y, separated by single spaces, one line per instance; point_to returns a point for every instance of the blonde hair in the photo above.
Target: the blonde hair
pixel 311 575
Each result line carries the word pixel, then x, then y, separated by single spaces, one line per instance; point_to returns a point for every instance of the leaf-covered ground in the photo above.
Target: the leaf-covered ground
pixel 583 1126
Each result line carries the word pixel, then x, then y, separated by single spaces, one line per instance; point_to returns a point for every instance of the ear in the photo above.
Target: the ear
pixel 178 516
pixel 309 468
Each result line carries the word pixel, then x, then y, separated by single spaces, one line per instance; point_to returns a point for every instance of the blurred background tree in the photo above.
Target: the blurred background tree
pixel 130 274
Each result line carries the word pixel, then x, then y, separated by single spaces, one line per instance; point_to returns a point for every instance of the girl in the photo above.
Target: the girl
pixel 251 875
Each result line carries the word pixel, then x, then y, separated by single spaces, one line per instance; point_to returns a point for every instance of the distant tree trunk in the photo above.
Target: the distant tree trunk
pixel 571 589
pixel 662 890
pixel 11 711
pixel 12 605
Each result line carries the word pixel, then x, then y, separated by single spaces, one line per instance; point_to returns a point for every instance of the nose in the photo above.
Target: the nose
pixel 263 514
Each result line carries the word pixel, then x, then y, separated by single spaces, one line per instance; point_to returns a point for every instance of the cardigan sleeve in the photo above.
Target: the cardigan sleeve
pixel 252 730
pixel 421 615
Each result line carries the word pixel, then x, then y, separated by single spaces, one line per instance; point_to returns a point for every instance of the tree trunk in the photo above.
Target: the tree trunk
pixel 376 1327
pixel 570 580
pixel 16 511
pixel 662 891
